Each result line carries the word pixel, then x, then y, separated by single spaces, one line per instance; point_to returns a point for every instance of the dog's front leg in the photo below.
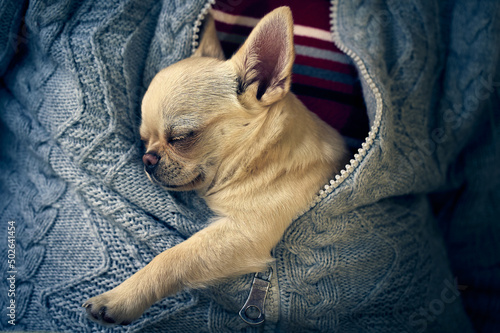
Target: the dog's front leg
pixel 223 249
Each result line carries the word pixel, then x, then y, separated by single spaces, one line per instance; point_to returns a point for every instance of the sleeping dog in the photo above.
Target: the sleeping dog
pixel 232 131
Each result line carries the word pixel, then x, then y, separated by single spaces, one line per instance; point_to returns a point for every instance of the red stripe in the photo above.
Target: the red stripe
pixel 311 13
pixel 333 113
pixel 249 8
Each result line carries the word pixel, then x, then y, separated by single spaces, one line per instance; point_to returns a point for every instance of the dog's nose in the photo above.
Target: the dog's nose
pixel 150 161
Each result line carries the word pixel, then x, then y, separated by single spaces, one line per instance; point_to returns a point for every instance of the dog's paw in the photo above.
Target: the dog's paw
pixel 107 309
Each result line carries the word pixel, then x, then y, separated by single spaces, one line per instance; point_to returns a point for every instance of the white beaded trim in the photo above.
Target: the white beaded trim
pixel 198 23
pixel 370 139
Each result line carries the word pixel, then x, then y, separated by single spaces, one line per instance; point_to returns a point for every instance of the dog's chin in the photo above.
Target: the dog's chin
pixel 187 186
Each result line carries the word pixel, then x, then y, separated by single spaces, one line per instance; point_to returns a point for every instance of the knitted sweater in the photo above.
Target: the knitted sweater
pixel 379 249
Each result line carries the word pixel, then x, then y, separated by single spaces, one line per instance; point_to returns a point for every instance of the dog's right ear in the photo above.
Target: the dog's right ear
pixel 264 62
pixel 209 45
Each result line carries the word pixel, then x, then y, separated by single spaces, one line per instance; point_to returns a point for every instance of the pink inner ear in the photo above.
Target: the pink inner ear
pixel 271 51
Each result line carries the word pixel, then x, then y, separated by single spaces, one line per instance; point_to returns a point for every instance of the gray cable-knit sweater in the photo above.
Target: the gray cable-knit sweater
pixel 380 250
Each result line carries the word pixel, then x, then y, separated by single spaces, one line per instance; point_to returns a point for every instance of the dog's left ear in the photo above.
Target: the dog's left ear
pixel 264 62
pixel 209 45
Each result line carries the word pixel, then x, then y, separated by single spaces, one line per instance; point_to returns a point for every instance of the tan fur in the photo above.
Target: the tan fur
pixel 256 162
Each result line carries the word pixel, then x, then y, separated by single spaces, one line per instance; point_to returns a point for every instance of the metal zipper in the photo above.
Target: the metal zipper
pixel 253 312
pixel 198 23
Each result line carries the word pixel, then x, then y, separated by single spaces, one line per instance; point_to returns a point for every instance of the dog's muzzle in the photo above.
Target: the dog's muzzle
pixel 150 161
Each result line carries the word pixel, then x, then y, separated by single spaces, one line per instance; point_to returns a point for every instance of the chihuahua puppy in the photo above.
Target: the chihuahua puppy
pixel 232 131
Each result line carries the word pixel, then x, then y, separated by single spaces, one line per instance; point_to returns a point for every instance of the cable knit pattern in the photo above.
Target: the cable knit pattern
pixel 41 190
pixel 366 257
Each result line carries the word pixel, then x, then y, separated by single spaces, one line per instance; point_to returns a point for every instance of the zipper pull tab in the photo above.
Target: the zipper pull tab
pixel 253 312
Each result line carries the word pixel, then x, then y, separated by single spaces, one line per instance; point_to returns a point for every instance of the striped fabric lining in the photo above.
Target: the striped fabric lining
pixel 324 78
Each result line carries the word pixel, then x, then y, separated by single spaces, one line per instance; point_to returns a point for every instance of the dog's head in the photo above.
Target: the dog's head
pixel 197 112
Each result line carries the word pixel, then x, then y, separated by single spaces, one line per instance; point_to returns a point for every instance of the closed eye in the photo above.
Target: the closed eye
pixel 179 138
